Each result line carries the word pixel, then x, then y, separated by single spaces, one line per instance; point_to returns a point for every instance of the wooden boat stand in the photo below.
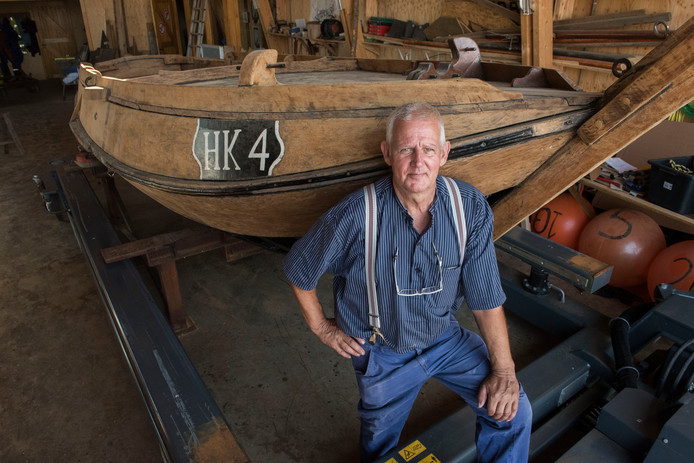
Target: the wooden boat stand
pixel 162 251
pixel 12 137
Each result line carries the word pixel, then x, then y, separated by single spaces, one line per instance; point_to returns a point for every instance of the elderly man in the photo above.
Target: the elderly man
pixel 405 252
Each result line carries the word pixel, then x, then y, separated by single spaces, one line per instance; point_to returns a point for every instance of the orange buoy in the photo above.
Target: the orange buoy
pixel 561 220
pixel 627 239
pixel 673 265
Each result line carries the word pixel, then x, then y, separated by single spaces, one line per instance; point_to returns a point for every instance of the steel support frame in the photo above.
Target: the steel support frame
pixel 181 408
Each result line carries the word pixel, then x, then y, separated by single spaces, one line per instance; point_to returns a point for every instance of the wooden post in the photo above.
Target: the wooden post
pixel 87 25
pixel 209 33
pixel 347 23
pixel 527 39
pixel 542 33
pixel 232 24
pixel 266 21
pixel 168 275
pixel 370 9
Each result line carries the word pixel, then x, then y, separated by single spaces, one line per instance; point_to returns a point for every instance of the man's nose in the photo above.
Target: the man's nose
pixel 417 156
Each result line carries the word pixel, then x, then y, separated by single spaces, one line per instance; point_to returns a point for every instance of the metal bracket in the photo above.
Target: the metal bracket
pixel 580 270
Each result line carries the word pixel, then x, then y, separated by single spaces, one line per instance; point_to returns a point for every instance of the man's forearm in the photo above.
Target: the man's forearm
pixel 311 308
pixel 492 325
pixel 326 328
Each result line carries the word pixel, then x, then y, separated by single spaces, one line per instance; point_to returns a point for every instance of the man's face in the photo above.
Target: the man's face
pixel 415 155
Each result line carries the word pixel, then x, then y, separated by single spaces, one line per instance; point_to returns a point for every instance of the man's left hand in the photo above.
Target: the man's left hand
pixel 500 392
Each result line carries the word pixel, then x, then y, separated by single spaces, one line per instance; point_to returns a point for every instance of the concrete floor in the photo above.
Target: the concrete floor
pixel 66 393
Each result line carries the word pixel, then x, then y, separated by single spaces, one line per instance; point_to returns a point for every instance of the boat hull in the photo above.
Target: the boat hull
pixel 289 208
pixel 268 160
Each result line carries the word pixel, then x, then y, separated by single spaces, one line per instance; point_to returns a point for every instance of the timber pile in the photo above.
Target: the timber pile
pixel 569 34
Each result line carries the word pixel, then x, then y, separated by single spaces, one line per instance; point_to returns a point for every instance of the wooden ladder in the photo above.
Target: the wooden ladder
pixel 197 28
pixel 12 134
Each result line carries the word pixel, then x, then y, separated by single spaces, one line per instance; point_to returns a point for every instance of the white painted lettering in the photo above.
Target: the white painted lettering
pixel 263 154
pixel 208 150
pixel 214 151
pixel 228 147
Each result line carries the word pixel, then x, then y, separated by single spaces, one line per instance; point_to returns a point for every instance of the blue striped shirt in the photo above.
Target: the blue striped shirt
pixel 335 243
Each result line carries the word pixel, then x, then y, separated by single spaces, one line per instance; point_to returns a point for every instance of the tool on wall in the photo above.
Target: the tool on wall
pixel 197 28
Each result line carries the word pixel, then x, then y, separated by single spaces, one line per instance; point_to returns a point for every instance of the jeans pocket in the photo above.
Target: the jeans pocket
pixel 363 365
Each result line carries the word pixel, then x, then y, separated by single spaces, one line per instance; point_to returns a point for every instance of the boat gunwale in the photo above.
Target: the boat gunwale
pixel 280 99
pixel 286 108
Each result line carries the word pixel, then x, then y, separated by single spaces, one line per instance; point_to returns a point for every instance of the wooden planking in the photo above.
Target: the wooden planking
pixel 165 18
pixel 285 100
pixel 137 15
pixel 299 124
pixel 469 12
pixel 225 72
pixel 132 36
pixel 291 10
pixel 501 10
pixel 421 12
pixel 95 13
pixel 232 24
pixel 266 22
pixel 563 9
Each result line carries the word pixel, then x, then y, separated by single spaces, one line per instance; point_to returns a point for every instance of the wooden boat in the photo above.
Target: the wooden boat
pixel 264 147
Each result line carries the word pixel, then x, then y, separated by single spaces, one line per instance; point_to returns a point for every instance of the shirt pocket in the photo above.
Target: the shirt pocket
pixel 451 284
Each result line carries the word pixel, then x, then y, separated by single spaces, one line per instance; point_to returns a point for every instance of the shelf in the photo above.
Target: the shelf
pixel 607 198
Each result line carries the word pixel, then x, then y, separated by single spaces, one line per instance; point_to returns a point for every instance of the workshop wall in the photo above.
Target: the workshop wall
pixel 60 32
pixel 133 34
pixel 127 25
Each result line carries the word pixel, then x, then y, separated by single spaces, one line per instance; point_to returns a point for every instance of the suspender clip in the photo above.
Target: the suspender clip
pixel 375 334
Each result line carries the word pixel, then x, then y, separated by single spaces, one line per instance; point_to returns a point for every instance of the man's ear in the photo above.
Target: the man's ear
pixel 444 152
pixel 386 153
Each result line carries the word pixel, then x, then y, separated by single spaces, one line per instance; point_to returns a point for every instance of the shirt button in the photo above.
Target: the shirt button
pixel 418 270
pixel 419 243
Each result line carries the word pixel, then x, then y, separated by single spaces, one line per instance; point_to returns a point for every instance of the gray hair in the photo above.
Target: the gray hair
pixel 411 111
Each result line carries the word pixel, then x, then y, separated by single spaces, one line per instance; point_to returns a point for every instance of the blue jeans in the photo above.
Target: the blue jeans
pixel 389 383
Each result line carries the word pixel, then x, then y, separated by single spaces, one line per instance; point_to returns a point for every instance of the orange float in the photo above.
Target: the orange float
pixel 561 220
pixel 673 265
pixel 627 239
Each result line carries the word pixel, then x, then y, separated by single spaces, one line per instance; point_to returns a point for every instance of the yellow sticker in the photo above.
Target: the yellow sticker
pixel 412 450
pixel 430 459
pixel 392 460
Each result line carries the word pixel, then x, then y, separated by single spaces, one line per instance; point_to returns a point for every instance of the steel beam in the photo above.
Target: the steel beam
pixel 189 424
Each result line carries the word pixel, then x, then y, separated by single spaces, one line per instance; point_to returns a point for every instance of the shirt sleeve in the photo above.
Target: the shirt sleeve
pixel 480 274
pixel 321 249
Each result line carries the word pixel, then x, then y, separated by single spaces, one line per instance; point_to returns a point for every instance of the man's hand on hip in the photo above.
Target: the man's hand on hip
pixel 332 336
pixel 500 392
